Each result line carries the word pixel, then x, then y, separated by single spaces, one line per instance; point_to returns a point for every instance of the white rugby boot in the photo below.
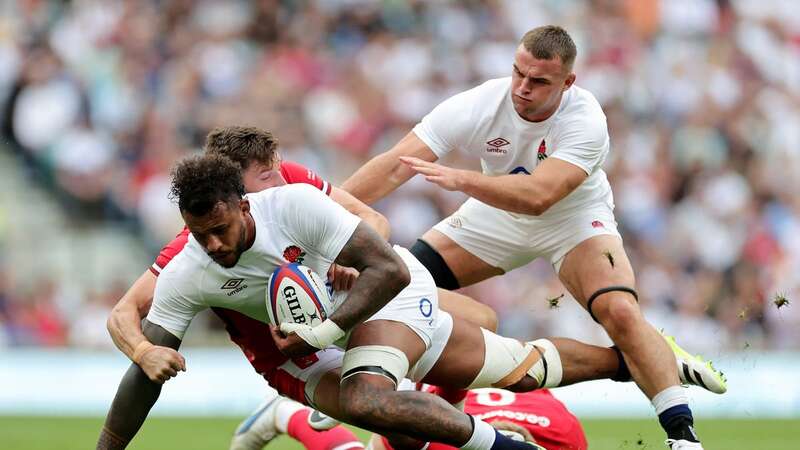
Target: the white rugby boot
pixel 320 421
pixel 257 430
pixel 682 444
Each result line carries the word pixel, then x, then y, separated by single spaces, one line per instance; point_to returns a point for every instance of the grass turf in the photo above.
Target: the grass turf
pixel 38 433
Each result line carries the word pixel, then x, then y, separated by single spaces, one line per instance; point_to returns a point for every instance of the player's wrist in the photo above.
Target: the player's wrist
pixel 466 180
pixel 326 334
pixel 140 350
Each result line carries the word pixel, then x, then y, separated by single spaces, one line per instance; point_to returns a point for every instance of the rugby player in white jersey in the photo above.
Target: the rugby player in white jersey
pixel 237 242
pixel 542 141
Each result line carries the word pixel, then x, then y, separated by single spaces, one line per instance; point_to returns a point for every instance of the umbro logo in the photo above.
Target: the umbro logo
pixel 498 142
pixel 495 146
pixel 234 285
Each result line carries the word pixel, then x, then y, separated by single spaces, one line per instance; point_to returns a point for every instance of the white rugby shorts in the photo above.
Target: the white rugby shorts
pixel 507 241
pixel 417 305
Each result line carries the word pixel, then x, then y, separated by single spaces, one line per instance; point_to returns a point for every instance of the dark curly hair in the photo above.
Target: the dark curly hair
pixel 200 182
pixel 243 145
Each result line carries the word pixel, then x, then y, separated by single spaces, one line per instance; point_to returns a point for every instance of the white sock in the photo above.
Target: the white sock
pixel 482 437
pixel 284 412
pixel 669 397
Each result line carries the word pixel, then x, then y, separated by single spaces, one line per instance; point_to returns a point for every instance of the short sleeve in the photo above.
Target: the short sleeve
pixel 448 126
pixel 172 308
pixel 315 221
pixel 170 251
pixel 297 173
pixel 583 142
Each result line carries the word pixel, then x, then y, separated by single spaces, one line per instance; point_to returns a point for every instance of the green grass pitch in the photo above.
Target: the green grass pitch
pixel 37 433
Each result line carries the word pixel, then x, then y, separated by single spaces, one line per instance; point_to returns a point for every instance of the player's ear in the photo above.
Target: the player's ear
pixel 244 205
pixel 569 81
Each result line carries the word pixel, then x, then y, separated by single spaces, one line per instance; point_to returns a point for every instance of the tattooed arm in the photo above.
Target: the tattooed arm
pixel 136 394
pixel 382 276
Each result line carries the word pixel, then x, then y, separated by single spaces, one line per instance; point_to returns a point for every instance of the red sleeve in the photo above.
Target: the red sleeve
pixel 297 173
pixel 169 251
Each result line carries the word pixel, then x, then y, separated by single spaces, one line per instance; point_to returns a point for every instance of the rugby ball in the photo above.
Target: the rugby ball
pixel 297 294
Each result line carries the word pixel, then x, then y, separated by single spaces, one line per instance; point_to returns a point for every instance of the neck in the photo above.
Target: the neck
pixel 250 229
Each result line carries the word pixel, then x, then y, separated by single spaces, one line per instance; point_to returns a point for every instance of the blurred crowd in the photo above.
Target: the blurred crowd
pixel 702 99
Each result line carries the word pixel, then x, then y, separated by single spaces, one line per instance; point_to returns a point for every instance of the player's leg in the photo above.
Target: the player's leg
pixel 599 275
pixel 466 308
pixel 280 415
pixel 379 355
pixel 455 267
pixel 475 358
pixel 297 382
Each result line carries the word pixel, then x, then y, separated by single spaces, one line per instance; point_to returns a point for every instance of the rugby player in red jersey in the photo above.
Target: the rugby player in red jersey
pixel 537 415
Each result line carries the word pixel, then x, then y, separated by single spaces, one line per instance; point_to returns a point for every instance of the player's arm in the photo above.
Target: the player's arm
pixel 531 194
pixel 318 223
pixel 580 149
pixel 125 327
pixel 384 173
pixel 382 276
pixel 136 394
pixel 125 321
pixel 375 219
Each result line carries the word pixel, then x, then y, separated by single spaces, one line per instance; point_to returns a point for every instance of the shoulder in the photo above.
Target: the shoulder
pixel 282 199
pixel 581 116
pixel 178 277
pixel 295 173
pixel 581 105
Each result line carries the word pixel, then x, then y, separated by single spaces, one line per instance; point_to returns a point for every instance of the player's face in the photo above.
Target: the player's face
pixel 258 176
pixel 537 85
pixel 222 232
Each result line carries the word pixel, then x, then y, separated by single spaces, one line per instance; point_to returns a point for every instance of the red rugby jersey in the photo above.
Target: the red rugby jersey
pixel 547 419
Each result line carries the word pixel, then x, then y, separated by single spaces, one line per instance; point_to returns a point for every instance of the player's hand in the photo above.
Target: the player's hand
pixel 162 363
pixel 291 344
pixel 446 177
pixel 342 278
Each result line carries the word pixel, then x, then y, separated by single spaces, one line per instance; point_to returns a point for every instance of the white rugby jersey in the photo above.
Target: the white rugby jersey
pixel 293 223
pixel 483 122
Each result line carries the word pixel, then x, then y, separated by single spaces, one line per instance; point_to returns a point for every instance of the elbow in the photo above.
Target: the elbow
pixel 379 222
pixel 536 207
pixel 113 318
pixel 399 275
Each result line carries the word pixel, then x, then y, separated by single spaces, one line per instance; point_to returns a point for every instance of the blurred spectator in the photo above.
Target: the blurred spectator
pixel 702 98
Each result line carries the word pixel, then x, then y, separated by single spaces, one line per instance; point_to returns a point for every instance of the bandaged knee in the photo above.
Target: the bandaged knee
pixel 547 370
pixel 507 361
pixel 382 360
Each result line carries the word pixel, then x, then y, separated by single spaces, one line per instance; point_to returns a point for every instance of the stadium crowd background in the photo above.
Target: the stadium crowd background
pixel 99 98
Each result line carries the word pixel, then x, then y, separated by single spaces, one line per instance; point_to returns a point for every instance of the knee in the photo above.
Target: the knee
pixel 619 314
pixel 485 317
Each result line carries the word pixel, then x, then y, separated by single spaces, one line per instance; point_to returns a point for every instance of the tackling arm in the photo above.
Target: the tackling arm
pixel 136 394
pixel 384 173
pixel 531 194
pixel 125 321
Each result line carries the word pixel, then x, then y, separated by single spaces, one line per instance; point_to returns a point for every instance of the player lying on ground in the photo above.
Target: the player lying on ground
pixel 247 239
pixel 256 152
pixel 537 416
pixel 542 142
